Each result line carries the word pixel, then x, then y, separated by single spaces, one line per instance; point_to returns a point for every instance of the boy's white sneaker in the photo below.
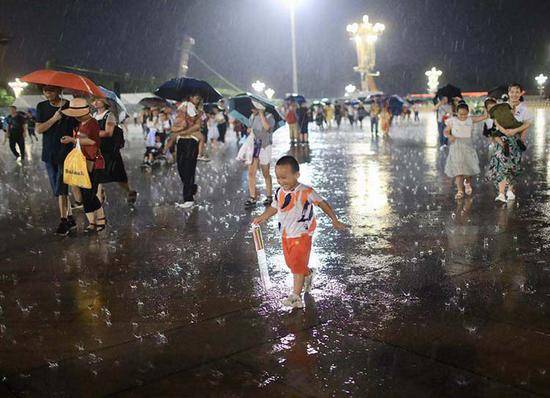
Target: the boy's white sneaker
pixel 510 196
pixel 293 301
pixel 500 198
pixel 308 282
pixel 188 204
pixel 185 205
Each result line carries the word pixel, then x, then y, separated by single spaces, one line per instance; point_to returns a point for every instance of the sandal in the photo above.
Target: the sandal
pixel 250 202
pixel 459 195
pixel 101 227
pixel 467 188
pixel 268 201
pixel 91 228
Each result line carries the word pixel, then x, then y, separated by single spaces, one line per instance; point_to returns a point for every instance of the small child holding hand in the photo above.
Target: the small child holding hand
pixel 294 204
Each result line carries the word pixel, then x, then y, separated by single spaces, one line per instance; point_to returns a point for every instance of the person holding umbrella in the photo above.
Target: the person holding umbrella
pixel 187 132
pixel 262 125
pixel 53 125
pixel 112 140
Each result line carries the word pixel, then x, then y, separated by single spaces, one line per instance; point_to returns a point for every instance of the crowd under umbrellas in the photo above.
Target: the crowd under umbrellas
pixel 190 111
pixel 358 118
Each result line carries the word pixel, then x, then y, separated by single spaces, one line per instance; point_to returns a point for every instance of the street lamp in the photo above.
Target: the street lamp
pixel 258 86
pixel 350 89
pixel 433 79
pixel 269 93
pixel 292 6
pixel 541 81
pixel 17 86
pixel 365 35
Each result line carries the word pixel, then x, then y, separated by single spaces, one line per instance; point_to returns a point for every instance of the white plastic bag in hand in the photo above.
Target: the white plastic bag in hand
pixel 246 152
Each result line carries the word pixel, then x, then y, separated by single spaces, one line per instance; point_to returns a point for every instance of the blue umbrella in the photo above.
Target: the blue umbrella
pixel 240 108
pixel 115 104
pixel 179 89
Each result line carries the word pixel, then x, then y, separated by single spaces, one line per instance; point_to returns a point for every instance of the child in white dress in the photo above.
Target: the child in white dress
pixel 213 132
pixel 462 162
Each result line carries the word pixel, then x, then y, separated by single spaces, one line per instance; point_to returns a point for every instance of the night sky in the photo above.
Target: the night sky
pixel 477 44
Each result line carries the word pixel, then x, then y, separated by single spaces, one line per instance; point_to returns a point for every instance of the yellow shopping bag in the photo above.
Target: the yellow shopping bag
pixel 75 170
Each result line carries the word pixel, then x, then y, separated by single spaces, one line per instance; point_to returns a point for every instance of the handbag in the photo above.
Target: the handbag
pixel 75 170
pixel 99 161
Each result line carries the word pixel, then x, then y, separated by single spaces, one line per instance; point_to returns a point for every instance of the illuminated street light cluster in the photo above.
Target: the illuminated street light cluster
pixel 433 79
pixel 365 36
pixel 350 89
pixel 541 82
pixel 260 88
pixel 17 86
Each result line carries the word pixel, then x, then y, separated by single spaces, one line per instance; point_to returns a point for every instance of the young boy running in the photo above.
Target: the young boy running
pixel 294 205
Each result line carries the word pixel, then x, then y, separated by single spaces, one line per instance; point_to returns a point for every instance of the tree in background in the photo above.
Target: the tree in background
pixel 6 99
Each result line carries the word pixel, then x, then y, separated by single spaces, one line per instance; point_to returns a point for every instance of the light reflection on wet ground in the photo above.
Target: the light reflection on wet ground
pixel 423 296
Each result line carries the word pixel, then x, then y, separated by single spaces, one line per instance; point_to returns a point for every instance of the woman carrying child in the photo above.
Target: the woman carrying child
pixel 462 162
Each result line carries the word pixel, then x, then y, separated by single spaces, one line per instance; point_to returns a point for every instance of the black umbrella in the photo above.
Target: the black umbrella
pixel 499 92
pixel 240 108
pixel 448 91
pixel 153 102
pixel 179 89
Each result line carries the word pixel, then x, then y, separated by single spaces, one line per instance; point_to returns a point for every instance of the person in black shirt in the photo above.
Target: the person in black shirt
pixel 16 128
pixel 31 125
pixel 53 125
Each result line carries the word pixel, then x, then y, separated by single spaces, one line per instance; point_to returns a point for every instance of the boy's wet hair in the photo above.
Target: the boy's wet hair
pixel 463 105
pixel 290 161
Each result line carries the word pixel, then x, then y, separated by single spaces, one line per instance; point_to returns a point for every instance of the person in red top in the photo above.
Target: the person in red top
pixel 292 121
pixel 87 132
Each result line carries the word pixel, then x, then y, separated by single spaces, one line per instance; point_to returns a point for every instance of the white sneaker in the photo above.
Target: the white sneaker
pixel 188 204
pixel 510 196
pixel 500 198
pixel 185 205
pixel 293 301
pixel 308 282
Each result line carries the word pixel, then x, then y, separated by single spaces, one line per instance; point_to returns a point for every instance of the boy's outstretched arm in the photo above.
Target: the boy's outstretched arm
pixel 266 215
pixel 325 206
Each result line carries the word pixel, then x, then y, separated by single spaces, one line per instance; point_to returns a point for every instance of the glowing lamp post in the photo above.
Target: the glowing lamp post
pixel 17 86
pixel 292 6
pixel 365 35
pixel 258 86
pixel 269 93
pixel 433 79
pixel 350 89
pixel 541 82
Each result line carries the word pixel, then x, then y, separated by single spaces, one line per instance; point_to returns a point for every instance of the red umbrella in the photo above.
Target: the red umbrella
pixel 48 77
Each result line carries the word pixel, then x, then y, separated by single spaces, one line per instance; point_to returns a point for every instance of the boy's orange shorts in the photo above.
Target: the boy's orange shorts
pixel 296 251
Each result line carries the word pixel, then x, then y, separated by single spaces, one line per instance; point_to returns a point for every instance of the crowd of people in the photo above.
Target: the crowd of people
pixel 189 131
pixel 327 114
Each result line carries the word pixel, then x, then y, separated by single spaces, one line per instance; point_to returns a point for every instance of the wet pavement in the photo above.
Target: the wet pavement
pixel 424 296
